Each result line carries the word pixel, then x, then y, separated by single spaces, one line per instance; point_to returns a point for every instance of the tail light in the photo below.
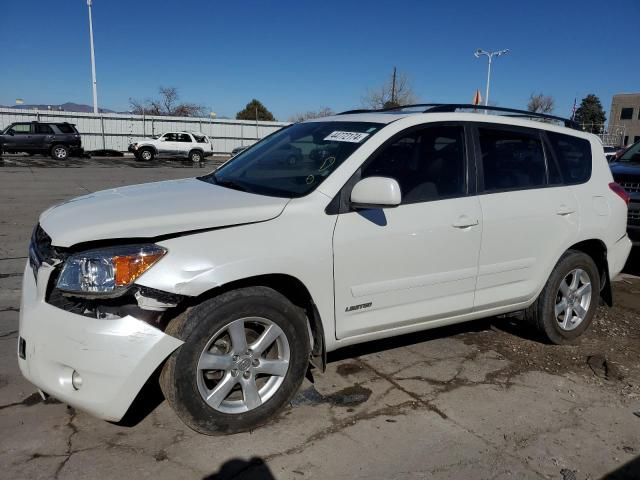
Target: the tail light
pixel 621 192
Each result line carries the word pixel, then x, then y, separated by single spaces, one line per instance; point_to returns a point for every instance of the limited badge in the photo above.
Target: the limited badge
pixel 351 137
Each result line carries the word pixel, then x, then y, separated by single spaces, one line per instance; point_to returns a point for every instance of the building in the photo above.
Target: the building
pixel 625 113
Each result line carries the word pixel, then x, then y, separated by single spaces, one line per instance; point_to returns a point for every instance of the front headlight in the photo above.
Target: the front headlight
pixel 108 270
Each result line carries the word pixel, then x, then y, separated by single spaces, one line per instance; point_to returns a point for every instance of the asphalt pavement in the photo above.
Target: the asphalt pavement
pixel 476 401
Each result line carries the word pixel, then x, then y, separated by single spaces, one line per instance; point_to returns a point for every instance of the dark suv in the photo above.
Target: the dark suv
pixel 626 172
pixel 56 139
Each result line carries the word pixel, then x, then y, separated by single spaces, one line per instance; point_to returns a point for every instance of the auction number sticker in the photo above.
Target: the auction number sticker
pixel 352 137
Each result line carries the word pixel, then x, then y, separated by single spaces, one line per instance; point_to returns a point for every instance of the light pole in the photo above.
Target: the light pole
pixel 93 62
pixel 490 56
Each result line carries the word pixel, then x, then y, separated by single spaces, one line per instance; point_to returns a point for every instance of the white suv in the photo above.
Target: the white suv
pixel 192 145
pixel 390 222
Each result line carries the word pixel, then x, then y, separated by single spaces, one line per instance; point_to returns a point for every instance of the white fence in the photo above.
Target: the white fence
pixel 116 131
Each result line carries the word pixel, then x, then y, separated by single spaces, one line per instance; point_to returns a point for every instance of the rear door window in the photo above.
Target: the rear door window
pixel 44 129
pixel 512 159
pixel 573 156
pixel 183 137
pixel 66 127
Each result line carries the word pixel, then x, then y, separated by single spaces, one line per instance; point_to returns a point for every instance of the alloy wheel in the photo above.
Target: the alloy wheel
pixel 243 365
pixel 573 299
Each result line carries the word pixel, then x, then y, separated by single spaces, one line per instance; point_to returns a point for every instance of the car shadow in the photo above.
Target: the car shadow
pixel 628 471
pixel 239 469
pixel 632 267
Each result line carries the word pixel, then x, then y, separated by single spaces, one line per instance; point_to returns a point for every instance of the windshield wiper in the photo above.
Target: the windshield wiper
pixel 229 184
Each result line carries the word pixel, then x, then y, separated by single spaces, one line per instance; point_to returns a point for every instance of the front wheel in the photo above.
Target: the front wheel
pixel 245 355
pixel 146 154
pixel 567 304
pixel 59 152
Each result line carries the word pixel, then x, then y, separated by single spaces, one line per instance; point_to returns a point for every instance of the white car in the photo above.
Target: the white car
pixel 192 145
pixel 233 282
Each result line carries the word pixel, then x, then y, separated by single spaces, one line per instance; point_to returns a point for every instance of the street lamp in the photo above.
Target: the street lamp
pixel 93 62
pixel 490 56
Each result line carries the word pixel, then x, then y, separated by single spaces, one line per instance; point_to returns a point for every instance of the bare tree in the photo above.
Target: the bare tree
pixel 301 117
pixel 167 104
pixel 540 103
pixel 395 92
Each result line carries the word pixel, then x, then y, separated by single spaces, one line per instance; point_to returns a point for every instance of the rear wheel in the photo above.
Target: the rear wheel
pixel 195 155
pixel 59 152
pixel 567 304
pixel 245 355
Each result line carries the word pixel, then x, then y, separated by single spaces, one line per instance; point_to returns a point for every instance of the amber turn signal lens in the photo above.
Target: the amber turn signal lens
pixel 129 267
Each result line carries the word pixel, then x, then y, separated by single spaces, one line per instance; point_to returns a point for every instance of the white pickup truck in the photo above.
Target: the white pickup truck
pixel 192 145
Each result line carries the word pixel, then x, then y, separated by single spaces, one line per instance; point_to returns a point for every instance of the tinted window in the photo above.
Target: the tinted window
pixel 573 156
pixel 200 138
pixel 626 113
pixel 511 159
pixel 43 128
pixel 427 163
pixel 170 137
pixel 65 128
pixel 183 137
pixel 20 128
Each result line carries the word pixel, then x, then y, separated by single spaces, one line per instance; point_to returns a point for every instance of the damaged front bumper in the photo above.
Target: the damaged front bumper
pixel 112 357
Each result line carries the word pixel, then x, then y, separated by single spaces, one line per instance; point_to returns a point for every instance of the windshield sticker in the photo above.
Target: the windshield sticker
pixel 352 137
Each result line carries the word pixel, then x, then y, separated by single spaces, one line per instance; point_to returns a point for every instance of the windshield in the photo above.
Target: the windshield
pixel 295 160
pixel 632 154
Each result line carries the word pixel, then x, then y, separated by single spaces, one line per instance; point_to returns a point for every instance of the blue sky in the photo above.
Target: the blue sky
pixel 300 55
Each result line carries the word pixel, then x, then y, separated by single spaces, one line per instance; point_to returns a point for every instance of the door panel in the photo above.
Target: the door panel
pixel 418 261
pixel 526 223
pixel 523 231
pixel 395 267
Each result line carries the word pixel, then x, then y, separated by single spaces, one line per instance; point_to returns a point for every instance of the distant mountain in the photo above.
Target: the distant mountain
pixel 67 107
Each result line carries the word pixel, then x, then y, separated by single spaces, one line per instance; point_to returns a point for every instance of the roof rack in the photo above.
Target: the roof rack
pixel 452 107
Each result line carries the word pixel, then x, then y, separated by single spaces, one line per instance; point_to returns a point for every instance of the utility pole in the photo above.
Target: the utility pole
pixel 393 87
pixel 93 62
pixel 257 134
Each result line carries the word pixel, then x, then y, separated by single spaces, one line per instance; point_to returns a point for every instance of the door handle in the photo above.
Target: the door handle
pixel 465 222
pixel 564 210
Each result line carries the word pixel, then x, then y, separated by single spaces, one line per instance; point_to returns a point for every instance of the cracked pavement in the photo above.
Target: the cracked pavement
pixel 478 400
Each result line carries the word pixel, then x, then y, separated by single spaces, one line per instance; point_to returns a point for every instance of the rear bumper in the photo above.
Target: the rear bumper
pixel 114 358
pixel 617 255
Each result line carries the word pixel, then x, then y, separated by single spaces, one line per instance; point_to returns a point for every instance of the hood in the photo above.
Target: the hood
pixel 625 169
pixel 154 209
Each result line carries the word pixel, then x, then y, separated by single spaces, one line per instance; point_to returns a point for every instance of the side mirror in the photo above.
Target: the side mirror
pixel 376 192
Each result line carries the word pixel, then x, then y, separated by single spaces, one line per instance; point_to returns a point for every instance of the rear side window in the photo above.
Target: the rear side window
pixel 573 156
pixel 183 137
pixel 511 160
pixel 43 128
pixel 200 138
pixel 65 128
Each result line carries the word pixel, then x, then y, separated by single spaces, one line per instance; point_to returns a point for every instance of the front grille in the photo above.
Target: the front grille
pixel 631 187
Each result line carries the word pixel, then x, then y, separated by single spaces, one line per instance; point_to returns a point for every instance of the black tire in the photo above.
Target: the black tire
pixel 179 376
pixel 59 152
pixel 541 315
pixel 146 154
pixel 196 155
